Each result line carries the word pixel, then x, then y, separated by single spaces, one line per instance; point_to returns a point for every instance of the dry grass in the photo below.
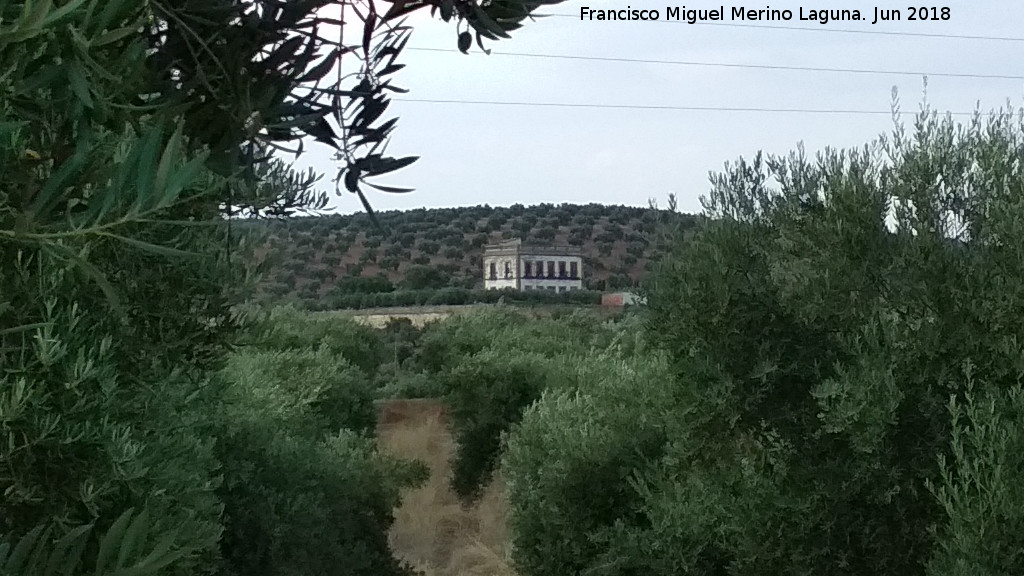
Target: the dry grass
pixel 432 530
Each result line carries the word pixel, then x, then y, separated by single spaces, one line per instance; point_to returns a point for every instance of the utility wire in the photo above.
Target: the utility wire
pixel 829 29
pixel 753 66
pixel 679 108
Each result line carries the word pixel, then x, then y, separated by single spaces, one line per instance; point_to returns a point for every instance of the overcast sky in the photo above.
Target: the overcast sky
pixel 499 155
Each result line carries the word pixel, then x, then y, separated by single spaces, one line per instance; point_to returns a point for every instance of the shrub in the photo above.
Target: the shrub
pixel 546 234
pixel 362 285
pixel 424 277
pixel 429 247
pixel 478 241
pixel 455 240
pixel 305 490
pixel 389 263
pixel 487 393
pixel 404 384
pixel 311 387
pixel 845 389
pixel 407 239
pixel 495 222
pixel 568 466
pixel 297 504
pixel 287 329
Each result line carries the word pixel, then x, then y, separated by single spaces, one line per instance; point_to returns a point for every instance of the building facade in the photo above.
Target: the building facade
pixel 510 264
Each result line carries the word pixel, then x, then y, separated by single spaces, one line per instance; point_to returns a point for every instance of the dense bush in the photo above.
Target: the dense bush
pixel 424 278
pixel 454 253
pixel 304 488
pixel 362 285
pixel 126 449
pixel 286 328
pixel 487 393
pixel 338 300
pixel 569 465
pixel 491 366
pixel 842 390
pixel 429 247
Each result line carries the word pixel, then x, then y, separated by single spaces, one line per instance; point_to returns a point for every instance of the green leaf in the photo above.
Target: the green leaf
pixel 488 22
pixel 61 12
pixel 182 178
pixel 68 552
pixel 110 10
pixel 134 538
pixel 390 189
pixel 385 165
pixel 317 72
pixel 391 69
pixel 74 556
pixel 373 108
pixel 159 558
pixel 352 179
pixel 100 204
pixel 447 9
pixel 283 54
pixel 79 84
pixel 160 551
pixel 301 119
pixel 153 248
pixel 22 328
pixel 111 540
pixel 36 12
pixel 144 168
pixel 87 268
pixel 480 43
pixel 368 27
pixel 112 36
pixel 19 556
pixel 36 562
pixel 55 185
pixel 167 160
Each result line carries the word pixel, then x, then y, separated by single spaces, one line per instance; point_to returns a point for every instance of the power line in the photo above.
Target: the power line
pixel 829 29
pixel 752 66
pixel 669 107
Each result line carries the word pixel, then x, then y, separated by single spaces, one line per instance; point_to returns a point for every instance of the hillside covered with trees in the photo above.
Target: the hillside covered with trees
pixel 318 259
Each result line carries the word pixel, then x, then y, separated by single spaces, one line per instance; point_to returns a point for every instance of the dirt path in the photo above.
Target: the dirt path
pixel 432 531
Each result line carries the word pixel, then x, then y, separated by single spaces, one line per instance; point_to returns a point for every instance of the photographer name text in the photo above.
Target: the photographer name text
pixel 876 15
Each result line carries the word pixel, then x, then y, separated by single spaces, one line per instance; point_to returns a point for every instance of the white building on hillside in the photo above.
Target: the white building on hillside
pixel 512 265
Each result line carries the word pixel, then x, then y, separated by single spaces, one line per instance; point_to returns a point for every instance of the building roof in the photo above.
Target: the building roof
pixel 516 246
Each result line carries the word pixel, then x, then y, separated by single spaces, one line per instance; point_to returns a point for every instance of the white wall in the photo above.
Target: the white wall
pixel 501 282
pixel 499 265
pixel 544 284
